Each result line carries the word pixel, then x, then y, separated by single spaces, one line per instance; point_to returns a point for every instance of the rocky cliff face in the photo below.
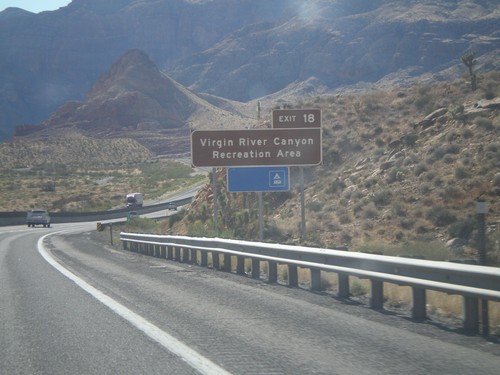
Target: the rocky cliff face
pixel 133 99
pixel 342 45
pixel 234 49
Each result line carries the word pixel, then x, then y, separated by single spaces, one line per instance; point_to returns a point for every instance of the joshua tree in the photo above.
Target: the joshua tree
pixel 469 59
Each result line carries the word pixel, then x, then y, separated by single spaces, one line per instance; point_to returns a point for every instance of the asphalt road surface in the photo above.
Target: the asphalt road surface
pixel 72 304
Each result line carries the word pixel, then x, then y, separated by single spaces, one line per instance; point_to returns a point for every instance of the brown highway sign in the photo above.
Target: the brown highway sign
pixel 256 147
pixel 297 118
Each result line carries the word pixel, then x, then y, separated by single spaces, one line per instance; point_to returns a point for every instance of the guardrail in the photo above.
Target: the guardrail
pixel 474 283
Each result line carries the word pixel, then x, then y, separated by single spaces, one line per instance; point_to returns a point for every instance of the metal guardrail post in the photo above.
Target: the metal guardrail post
pixel 418 311
pixel 471 314
pixel 177 252
pixel 194 256
pixel 240 265
pixel 227 262
pixel 255 268
pixel 485 321
pixel 273 272
pixel 184 255
pixel 343 285
pixel 315 279
pixel 170 252
pixel 204 259
pixel 293 277
pixel 215 260
pixel 377 295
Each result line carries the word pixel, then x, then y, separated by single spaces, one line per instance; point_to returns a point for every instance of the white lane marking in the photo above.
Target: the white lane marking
pixel 194 359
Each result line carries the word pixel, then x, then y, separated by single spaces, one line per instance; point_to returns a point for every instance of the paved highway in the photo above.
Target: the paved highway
pixel 71 304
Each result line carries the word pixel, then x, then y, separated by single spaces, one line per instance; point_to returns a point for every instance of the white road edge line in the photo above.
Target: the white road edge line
pixel 193 358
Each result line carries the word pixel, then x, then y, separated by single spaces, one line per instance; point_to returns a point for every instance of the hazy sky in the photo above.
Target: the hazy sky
pixel 34 6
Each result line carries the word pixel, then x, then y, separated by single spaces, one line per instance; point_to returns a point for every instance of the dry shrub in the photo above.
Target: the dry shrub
pixel 444 305
pixel 397 296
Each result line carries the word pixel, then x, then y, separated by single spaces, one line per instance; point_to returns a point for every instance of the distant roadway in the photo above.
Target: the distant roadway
pixel 71 304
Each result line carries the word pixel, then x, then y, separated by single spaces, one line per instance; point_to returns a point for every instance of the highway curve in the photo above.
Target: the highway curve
pixel 98 309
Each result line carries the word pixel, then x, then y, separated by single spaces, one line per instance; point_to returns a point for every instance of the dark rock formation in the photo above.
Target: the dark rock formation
pixel 239 50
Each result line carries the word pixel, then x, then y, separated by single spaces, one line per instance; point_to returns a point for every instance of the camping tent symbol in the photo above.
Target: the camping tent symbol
pixel 277 178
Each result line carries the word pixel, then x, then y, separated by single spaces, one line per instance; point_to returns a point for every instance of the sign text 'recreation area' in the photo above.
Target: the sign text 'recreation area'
pixel 236 148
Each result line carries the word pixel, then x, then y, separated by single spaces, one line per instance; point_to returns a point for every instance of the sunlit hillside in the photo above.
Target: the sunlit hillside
pixel 401 165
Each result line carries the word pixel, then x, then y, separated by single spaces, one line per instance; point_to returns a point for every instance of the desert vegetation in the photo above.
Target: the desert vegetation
pixel 87 187
pixel 394 179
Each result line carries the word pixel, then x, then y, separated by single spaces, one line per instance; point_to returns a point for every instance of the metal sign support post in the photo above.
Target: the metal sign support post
pixel 214 191
pixel 302 205
pixel 482 210
pixel 111 233
pixel 261 217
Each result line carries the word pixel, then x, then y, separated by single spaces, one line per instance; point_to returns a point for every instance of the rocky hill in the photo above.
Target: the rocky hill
pixel 402 167
pixel 239 50
pixel 134 100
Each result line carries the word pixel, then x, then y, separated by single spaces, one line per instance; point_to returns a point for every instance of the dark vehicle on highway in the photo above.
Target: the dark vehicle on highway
pixel 172 206
pixel 38 217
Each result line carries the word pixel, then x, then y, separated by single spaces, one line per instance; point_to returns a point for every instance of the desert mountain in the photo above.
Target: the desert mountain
pixel 133 99
pixel 240 50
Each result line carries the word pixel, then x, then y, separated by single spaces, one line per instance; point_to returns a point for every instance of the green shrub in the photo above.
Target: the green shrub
pixel 396 174
pixel 273 233
pixel 462 229
pixel 420 168
pixel 370 212
pixel 422 101
pixel 441 216
pixel 172 219
pixel 407 223
pixel 436 154
pixel 357 289
pixel 461 173
pixel 448 159
pixel 336 186
pixel 489 95
pixel 142 225
pixel 382 198
pixel 315 206
pixel 410 139
pixel 484 123
pixel 451 192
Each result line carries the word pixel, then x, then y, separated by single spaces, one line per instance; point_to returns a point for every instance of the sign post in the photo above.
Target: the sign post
pixel 294 140
pixel 298 118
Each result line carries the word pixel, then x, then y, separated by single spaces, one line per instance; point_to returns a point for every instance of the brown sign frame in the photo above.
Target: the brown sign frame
pixel 256 147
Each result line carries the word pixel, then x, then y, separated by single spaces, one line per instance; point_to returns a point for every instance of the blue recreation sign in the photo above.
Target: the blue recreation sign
pixel 254 179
